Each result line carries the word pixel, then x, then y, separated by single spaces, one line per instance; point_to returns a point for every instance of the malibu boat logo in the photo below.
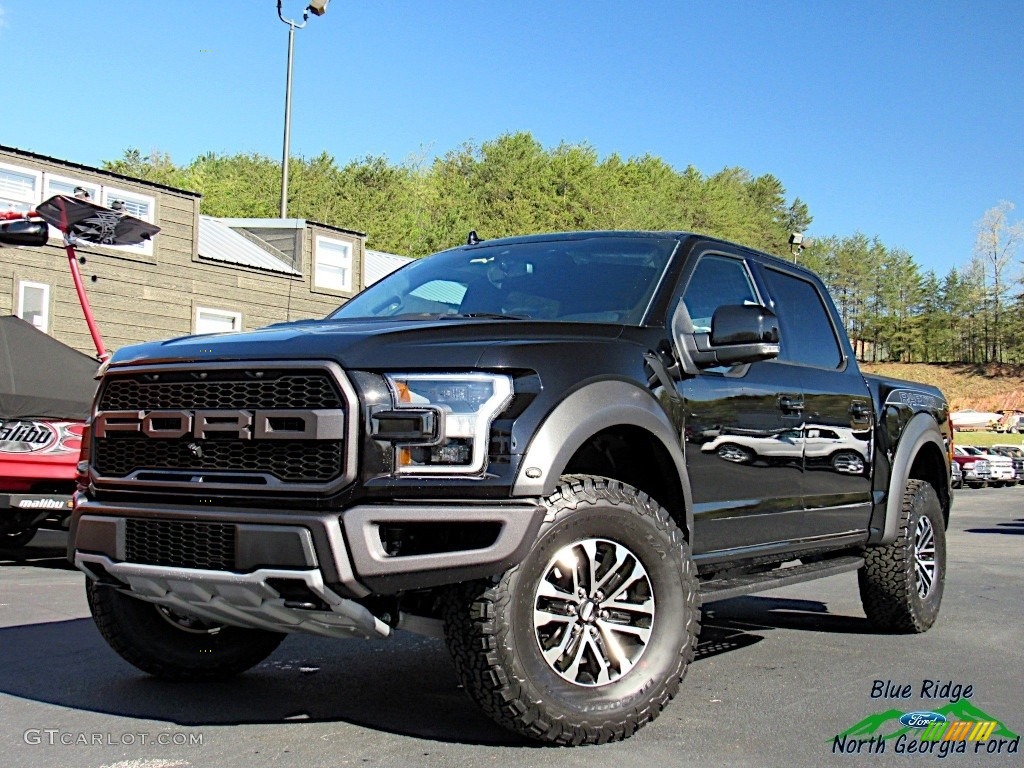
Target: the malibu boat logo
pixel 44 503
pixel 26 436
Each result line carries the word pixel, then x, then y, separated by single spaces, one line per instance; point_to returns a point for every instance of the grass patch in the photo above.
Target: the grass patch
pixel 984 439
pixel 979 387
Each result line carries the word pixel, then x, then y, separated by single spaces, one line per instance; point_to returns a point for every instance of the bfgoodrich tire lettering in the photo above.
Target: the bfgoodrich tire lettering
pixel 174 647
pixel 513 667
pixel 901 584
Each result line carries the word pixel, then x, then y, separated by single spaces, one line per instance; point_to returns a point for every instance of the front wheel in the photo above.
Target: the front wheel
pixel 173 646
pixel 736 453
pixel 589 637
pixel 901 584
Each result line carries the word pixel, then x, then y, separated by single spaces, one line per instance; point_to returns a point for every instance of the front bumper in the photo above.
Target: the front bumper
pixel 288 572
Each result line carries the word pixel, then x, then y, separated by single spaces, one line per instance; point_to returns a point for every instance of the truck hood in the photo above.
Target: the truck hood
pixel 373 344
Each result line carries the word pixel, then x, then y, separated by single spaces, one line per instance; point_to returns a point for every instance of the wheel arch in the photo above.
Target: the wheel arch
pixel 612 429
pixel 919 456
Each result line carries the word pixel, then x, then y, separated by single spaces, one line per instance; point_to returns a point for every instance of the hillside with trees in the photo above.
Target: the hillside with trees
pixel 893 310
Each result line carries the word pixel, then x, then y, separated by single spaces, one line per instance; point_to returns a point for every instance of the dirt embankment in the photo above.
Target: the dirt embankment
pixel 979 387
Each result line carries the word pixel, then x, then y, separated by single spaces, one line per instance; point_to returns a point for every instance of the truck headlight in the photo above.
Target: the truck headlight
pixel 464 404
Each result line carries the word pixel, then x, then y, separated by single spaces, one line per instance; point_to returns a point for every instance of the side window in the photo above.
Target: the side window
pixel 332 264
pixel 140 206
pixel 19 188
pixel 806 328
pixel 34 304
pixel 717 281
pixel 217 320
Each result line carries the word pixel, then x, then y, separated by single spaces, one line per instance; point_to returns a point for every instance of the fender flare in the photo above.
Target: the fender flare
pixel 920 430
pixel 587 411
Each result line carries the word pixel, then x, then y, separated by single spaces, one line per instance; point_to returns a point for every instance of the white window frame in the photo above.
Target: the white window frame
pixel 110 194
pixel 31 200
pixel 221 314
pixel 320 279
pixel 22 285
pixel 95 190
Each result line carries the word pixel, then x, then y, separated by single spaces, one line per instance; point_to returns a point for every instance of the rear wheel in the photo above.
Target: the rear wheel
pixel 588 638
pixel 848 462
pixel 901 584
pixel 174 646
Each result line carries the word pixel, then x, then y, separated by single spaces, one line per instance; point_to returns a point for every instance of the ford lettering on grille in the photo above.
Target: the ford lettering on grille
pixel 320 424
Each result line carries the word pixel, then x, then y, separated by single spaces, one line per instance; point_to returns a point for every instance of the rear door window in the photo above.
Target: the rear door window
pixel 808 337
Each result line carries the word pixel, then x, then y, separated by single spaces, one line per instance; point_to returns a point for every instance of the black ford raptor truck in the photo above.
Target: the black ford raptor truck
pixel 548 450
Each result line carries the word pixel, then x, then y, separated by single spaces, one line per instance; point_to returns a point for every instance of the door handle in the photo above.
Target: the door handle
pixel 860 410
pixel 791 404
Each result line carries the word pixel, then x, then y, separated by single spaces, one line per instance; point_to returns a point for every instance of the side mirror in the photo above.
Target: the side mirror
pixel 24 232
pixel 744 333
pixel 744 324
pixel 740 333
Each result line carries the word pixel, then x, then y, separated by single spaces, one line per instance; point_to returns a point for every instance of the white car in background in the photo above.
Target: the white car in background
pixel 838 447
pixel 1003 472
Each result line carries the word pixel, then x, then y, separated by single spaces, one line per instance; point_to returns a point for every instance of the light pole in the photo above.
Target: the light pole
pixel 796 244
pixel 319 8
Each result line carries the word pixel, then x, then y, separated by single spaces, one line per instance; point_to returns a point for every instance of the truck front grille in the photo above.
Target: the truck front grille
pixel 221 389
pixel 181 544
pixel 301 461
pixel 141 457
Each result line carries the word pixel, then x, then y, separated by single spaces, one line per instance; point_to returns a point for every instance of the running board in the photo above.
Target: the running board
pixel 723 589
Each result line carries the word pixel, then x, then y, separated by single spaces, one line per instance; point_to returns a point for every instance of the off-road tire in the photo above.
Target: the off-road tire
pixel 889 581
pixel 491 632
pixel 150 641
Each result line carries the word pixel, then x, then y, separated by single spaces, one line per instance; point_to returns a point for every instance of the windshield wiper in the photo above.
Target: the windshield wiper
pixel 487 315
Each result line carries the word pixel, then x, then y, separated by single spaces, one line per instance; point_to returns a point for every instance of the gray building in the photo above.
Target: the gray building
pixel 200 274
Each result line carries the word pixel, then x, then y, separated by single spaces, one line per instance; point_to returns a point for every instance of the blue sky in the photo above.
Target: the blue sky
pixel 903 120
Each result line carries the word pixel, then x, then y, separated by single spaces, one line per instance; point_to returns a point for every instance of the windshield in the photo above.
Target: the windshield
pixel 604 279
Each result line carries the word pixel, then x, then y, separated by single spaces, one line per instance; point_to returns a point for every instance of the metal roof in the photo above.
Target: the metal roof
pixel 98 171
pixel 218 242
pixel 251 223
pixel 378 264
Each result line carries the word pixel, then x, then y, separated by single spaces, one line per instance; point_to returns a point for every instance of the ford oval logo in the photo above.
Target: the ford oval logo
pixel 922 719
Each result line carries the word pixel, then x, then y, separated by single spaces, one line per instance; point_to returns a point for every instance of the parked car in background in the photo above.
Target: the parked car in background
pixel 956 476
pixel 1003 472
pixel 1015 454
pixel 1012 421
pixel 976 472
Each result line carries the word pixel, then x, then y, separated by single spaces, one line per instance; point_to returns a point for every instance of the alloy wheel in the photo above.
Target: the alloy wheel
pixel 593 612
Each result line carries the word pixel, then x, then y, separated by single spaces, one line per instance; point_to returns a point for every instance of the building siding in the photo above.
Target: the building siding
pixel 137 297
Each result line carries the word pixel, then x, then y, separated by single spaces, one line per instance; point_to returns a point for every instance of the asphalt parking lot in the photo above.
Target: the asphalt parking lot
pixel 777 677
